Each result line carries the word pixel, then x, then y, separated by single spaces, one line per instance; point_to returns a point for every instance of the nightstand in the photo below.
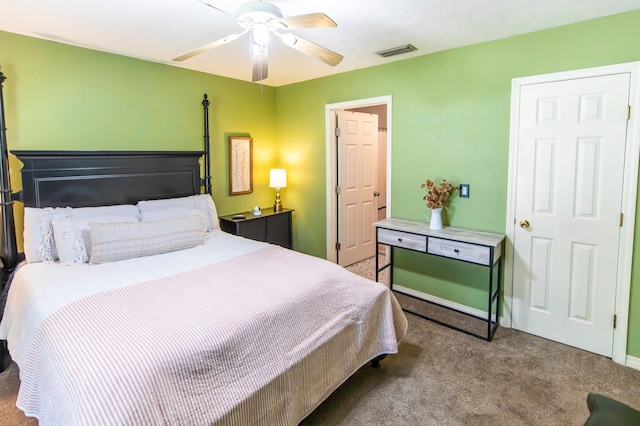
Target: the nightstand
pixel 272 227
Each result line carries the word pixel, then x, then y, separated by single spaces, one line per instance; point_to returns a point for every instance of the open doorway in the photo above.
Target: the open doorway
pixel 381 107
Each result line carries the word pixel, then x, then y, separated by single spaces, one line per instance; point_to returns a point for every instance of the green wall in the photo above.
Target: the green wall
pixel 451 113
pixel 63 97
pixel 450 120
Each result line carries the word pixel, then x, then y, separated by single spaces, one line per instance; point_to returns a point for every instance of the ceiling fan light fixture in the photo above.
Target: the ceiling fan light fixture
pixel 260 33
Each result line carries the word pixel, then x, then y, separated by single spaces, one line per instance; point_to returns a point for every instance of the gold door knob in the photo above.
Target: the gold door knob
pixel 376 194
pixel 524 224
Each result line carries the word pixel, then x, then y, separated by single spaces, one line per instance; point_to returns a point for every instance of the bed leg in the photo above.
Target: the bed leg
pixel 375 363
pixel 3 359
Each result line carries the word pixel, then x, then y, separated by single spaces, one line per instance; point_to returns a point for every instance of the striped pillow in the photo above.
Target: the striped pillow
pixel 111 242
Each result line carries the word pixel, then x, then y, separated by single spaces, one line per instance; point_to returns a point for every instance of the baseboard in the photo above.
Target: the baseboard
pixel 444 302
pixel 633 362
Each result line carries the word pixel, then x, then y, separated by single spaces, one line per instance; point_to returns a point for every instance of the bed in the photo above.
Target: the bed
pixel 221 331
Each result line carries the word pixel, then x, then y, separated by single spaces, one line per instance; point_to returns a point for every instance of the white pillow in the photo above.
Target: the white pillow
pixel 72 238
pixel 167 203
pixel 38 235
pixel 38 227
pixel 205 203
pixel 119 241
pixel 68 239
pixel 202 202
pixel 174 213
pixel 116 210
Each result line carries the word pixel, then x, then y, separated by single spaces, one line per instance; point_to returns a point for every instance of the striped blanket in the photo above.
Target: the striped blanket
pixel 259 339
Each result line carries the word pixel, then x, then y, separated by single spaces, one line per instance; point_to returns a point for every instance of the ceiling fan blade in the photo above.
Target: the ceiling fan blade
pixel 208 46
pixel 311 20
pixel 218 9
pixel 321 53
pixel 259 59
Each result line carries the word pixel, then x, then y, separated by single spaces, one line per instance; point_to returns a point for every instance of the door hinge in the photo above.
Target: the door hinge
pixel 615 320
pixel 337 190
pixel 337 131
pixel 621 217
pixel 628 112
pixel 337 246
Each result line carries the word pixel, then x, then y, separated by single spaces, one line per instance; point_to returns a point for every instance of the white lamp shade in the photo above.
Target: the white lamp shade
pixel 278 178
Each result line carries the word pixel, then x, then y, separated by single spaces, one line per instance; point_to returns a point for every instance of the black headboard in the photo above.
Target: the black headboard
pixel 98 178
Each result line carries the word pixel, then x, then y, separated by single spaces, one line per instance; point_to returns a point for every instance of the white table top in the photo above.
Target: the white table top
pixel 458 234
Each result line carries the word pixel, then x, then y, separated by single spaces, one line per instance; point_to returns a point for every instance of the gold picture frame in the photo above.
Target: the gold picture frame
pixel 240 165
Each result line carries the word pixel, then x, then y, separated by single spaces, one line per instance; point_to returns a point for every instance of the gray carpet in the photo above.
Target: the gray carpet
pixel 443 377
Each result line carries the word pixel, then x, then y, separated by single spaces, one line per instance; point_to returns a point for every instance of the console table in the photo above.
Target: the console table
pixel 482 248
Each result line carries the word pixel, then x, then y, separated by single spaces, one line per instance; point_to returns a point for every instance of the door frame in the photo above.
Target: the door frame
pixel 332 163
pixel 629 194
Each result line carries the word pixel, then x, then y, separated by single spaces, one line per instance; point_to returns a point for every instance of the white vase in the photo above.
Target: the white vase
pixel 436 219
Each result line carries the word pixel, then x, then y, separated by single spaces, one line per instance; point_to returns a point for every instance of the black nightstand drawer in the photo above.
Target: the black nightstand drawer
pixel 272 227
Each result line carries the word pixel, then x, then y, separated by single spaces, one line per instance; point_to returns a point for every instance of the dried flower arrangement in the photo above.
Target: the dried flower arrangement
pixel 437 194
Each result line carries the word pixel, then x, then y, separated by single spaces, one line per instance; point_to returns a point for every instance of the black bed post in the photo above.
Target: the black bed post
pixel 9 250
pixel 207 153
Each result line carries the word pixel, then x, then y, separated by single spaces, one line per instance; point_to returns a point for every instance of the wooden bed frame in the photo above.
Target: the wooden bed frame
pixel 93 178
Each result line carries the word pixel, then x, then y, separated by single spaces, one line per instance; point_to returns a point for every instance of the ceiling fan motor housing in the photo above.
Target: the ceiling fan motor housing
pixel 256 12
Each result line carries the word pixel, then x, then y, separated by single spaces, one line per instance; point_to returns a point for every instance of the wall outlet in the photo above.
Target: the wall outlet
pixel 464 190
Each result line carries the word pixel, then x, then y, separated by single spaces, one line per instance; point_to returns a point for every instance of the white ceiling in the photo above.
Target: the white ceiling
pixel 159 30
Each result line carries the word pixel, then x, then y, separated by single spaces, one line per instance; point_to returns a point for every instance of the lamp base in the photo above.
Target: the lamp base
pixel 277 205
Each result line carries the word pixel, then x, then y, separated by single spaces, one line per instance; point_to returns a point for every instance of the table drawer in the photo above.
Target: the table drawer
pixel 461 251
pixel 402 239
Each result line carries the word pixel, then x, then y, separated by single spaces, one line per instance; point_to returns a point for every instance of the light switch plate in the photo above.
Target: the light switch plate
pixel 464 190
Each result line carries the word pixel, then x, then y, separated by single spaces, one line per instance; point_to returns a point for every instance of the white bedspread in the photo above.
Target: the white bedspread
pixel 232 332
pixel 42 288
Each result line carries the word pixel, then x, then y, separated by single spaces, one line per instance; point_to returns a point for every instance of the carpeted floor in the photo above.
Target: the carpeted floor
pixel 443 377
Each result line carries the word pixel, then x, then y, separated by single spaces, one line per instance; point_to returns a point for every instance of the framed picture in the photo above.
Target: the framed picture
pixel 240 165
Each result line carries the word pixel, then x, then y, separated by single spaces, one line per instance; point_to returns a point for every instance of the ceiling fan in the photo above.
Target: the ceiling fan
pixel 260 19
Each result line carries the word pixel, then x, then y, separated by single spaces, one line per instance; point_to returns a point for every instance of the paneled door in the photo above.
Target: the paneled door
pixel 357 182
pixel 571 149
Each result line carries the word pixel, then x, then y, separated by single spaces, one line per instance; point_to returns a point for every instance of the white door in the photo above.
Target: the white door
pixel 357 180
pixel 571 148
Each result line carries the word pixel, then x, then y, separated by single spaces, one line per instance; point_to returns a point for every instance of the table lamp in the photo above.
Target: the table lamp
pixel 277 180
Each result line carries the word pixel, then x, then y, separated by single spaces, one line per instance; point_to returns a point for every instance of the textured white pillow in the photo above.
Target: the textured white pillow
pixel 85 224
pixel 38 235
pixel 119 241
pixel 39 241
pixel 68 238
pixel 202 202
pixel 72 238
